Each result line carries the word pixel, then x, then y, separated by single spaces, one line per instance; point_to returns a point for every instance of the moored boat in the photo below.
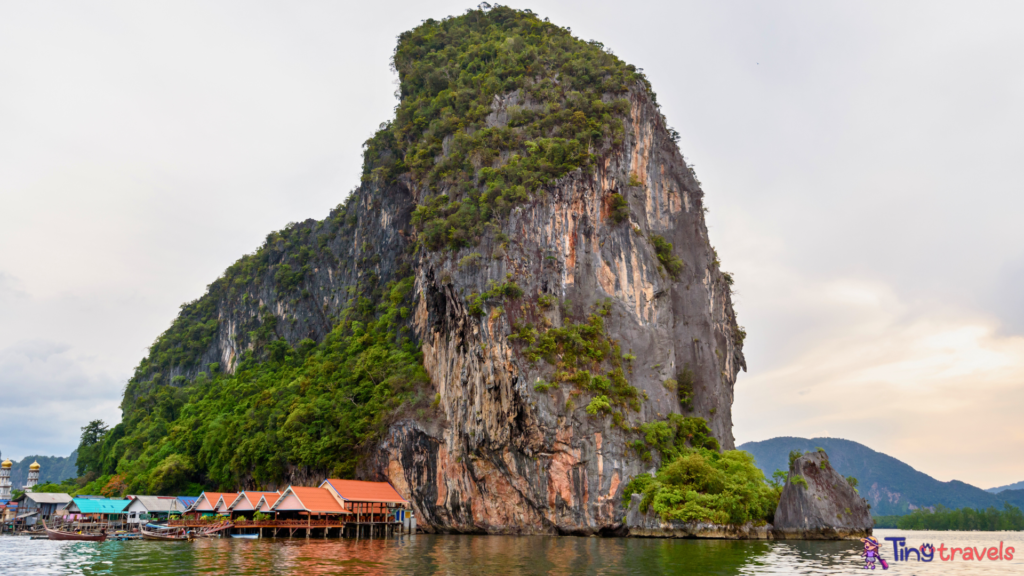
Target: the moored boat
pixel 246 536
pixel 165 536
pixel 53 534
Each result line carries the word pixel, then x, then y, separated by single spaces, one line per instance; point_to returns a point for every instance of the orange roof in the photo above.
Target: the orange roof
pixel 270 498
pixel 317 500
pixel 227 498
pixel 213 497
pixel 252 496
pixel 362 491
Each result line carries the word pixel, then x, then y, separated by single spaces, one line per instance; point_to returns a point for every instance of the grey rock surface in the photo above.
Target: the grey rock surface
pixel 823 506
pixel 511 459
pixel 497 455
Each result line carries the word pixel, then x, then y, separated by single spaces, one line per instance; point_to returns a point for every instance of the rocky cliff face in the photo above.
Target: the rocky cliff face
pixel 612 257
pixel 508 458
pixel 819 504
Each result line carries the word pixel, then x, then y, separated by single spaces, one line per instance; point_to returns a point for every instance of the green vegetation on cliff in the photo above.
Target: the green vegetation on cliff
pixel 310 406
pixel 696 482
pixel 566 103
pixel 584 356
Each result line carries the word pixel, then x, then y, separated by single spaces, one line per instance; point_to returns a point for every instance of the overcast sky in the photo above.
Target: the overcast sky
pixel 861 160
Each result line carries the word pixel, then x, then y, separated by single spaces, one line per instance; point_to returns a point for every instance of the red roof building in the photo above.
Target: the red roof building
pixel 376 501
pixel 308 500
pixel 362 491
pixel 267 501
pixel 212 501
pixel 248 501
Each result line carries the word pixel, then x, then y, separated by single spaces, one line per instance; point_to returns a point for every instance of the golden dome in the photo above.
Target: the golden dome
pixel 6 464
pixel 34 466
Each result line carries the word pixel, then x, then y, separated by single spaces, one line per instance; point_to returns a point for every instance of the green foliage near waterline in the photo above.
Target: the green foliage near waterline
pixel 696 483
pixel 564 104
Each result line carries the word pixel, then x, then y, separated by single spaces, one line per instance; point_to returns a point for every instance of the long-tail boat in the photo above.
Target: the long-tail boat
pixel 53 534
pixel 165 535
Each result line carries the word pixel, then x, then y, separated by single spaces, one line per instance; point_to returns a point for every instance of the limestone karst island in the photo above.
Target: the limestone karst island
pixel 516 323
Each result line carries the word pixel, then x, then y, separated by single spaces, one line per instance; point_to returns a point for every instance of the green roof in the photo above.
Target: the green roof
pixel 94 506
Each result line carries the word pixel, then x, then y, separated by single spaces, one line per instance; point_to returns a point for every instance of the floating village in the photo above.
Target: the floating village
pixel 334 509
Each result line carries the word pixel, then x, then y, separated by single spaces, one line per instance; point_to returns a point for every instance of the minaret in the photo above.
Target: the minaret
pixel 5 480
pixel 33 476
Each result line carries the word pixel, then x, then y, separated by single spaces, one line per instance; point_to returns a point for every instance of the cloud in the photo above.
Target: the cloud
pixel 47 395
pixel 10 291
pixel 860 163
pixel 1005 296
pixel 940 390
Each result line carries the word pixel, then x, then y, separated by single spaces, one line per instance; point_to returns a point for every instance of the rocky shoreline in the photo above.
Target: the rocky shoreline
pixel 816 504
pixel 650 525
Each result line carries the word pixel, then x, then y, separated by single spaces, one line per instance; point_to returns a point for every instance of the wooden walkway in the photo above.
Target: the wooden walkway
pixel 328 528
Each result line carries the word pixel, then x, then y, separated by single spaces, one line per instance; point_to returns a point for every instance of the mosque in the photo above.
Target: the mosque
pixel 5 479
pixel 25 506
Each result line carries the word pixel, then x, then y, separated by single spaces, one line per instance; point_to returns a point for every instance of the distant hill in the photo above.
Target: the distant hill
pixel 51 469
pixel 889 485
pixel 1014 486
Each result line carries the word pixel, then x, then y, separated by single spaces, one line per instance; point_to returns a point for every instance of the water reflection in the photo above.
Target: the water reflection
pixel 429 555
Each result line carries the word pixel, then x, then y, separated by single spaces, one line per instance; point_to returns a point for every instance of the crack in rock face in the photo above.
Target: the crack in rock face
pixel 498 455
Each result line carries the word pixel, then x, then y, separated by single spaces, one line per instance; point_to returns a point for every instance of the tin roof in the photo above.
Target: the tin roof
pixel 160 503
pixel 362 491
pixel 48 497
pixel 94 506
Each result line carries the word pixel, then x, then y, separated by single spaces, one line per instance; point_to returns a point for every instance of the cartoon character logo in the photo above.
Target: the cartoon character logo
pixel 871 554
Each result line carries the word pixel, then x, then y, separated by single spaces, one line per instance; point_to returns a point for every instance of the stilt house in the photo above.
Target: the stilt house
pixel 370 502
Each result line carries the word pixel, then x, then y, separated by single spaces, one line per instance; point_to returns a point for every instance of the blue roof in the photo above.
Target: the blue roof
pixel 94 506
pixel 188 500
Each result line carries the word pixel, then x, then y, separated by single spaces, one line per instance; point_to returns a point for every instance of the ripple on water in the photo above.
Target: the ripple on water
pixel 471 555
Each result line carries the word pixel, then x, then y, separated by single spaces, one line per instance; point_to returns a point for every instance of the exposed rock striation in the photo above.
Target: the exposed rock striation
pixel 512 459
pixel 819 504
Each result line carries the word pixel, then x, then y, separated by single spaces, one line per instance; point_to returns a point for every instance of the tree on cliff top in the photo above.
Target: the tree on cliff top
pixel 89 451
pixel 494 106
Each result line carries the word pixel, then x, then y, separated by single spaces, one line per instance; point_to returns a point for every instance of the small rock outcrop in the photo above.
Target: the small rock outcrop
pixel 819 504
pixel 650 525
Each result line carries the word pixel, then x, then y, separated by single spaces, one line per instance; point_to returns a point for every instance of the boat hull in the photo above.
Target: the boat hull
pixel 246 536
pixel 59 535
pixel 146 535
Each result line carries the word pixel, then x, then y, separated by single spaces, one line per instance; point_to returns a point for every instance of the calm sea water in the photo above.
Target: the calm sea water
pixel 474 555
